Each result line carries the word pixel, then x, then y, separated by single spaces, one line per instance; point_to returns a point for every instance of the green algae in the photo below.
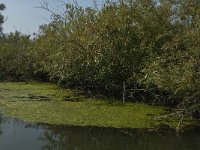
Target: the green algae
pixel 46 103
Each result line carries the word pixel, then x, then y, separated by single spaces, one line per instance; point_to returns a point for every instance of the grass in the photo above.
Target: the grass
pixel 47 103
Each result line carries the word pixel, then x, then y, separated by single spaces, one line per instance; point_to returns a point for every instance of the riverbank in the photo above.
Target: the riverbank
pixel 47 103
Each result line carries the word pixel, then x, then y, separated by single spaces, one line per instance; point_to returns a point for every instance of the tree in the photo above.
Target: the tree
pixel 15 57
pixel 2 7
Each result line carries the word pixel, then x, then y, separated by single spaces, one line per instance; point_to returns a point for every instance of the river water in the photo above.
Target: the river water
pixel 19 135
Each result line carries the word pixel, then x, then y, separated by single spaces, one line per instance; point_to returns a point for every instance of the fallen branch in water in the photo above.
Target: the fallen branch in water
pixel 180 114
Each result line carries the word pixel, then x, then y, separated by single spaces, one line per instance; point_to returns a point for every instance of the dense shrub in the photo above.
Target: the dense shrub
pixel 151 45
pixel 15 58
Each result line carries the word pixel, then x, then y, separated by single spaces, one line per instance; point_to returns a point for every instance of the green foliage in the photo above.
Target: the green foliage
pixel 15 61
pixel 151 45
pixel 175 67
pixel 97 49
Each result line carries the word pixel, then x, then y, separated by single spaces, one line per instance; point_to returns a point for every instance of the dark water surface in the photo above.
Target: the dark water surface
pixel 19 135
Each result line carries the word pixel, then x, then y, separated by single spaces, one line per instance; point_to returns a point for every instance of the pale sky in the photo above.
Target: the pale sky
pixel 25 17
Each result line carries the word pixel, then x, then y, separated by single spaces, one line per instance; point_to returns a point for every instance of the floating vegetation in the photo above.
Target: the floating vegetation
pixel 47 103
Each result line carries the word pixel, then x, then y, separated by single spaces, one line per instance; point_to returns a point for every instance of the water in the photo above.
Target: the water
pixel 19 135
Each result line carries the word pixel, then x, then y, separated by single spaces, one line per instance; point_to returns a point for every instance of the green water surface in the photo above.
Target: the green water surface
pixel 47 103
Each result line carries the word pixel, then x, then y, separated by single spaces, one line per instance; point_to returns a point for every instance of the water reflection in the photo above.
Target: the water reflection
pixel 18 135
pixel 90 138
pixel 0 126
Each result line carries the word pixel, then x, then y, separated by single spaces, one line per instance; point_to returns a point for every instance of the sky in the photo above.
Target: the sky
pixel 24 16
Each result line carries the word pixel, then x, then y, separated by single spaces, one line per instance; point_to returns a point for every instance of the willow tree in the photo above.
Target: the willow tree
pixel 153 45
pixel 174 66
